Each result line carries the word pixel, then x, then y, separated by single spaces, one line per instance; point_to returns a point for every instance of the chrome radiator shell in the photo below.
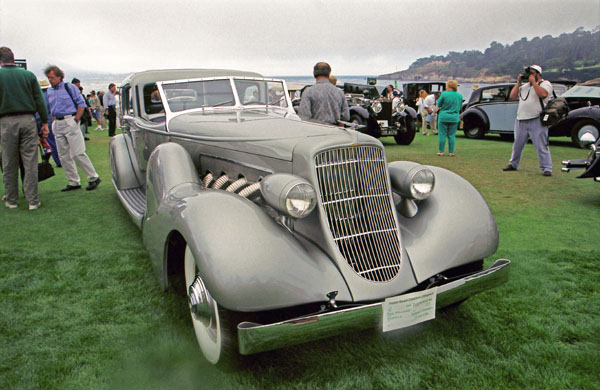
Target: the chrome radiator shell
pixel 356 199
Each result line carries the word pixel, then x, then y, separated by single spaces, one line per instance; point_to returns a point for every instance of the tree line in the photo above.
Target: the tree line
pixel 573 56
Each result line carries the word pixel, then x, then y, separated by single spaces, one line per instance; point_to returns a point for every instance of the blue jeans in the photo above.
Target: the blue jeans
pixel 447 130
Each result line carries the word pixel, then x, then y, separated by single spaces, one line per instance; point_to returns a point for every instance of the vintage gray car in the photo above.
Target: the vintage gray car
pixel 491 110
pixel 285 231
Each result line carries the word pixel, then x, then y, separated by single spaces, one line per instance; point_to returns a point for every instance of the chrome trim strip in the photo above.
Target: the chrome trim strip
pixel 255 338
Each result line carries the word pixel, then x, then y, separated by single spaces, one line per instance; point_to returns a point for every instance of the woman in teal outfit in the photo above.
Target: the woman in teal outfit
pixel 449 104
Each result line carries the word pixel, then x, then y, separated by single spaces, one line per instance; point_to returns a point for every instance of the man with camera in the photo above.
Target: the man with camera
pixel 533 93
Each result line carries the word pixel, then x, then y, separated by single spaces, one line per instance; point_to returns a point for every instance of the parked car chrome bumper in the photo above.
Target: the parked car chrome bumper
pixel 254 338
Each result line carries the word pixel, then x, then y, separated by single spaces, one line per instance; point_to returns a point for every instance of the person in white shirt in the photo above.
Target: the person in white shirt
pixel 430 107
pixel 397 99
pixel 422 111
pixel 533 94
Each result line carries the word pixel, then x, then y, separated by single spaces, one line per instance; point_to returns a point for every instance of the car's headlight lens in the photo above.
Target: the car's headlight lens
pixel 421 183
pixel 400 108
pixel 289 194
pixel 377 107
pixel 411 180
pixel 300 200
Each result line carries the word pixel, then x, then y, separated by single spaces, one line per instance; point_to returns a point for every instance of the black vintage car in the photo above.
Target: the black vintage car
pixel 381 117
pixel 591 164
pixel 411 90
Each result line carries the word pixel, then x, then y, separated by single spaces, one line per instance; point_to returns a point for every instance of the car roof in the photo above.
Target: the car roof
pixel 152 76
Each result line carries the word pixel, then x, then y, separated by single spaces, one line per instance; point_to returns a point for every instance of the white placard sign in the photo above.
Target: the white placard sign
pixel 382 123
pixel 410 309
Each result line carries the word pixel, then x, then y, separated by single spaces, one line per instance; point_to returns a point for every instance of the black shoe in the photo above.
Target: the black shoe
pixel 547 173
pixel 93 184
pixel 509 168
pixel 70 188
pixel 86 138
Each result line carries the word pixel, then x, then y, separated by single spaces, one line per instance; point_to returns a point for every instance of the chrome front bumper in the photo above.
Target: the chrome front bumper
pixel 254 338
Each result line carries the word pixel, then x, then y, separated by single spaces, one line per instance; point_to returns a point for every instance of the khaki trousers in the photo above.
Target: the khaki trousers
pixel 19 137
pixel 71 150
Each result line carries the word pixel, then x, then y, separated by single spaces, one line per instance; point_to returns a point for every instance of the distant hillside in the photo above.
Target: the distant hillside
pixel 573 56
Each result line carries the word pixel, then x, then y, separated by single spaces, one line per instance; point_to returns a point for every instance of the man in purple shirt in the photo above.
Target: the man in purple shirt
pixel 66 107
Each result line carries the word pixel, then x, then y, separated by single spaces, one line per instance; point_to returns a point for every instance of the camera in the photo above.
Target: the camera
pixel 524 78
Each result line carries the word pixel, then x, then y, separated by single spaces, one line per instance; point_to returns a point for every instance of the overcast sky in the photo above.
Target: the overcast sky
pixel 272 37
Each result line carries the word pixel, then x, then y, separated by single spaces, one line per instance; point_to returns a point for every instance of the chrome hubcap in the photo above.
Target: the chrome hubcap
pixel 200 302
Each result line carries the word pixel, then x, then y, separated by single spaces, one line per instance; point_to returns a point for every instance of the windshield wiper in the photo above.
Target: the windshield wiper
pixel 222 103
pixel 277 102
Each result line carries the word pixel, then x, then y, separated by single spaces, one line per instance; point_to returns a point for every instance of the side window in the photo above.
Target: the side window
pixel 559 89
pixel 152 102
pixel 494 94
pixel 437 88
pixel 126 100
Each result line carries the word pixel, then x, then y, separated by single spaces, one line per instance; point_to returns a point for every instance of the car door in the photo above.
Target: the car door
pixel 500 110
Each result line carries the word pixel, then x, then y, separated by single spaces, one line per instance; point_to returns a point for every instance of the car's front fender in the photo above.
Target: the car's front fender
pixel 363 112
pixel 474 114
pixel 410 111
pixel 453 227
pixel 248 261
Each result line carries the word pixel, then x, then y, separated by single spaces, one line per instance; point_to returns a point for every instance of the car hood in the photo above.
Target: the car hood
pixel 262 133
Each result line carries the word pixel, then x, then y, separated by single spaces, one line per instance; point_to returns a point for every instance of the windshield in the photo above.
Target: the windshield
pixel 583 91
pixel 198 94
pixel 188 95
pixel 252 92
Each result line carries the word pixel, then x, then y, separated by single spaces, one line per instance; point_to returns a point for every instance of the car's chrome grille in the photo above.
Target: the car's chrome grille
pixel 354 192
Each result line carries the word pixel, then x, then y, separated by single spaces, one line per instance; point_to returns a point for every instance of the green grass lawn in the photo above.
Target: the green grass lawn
pixel 82 309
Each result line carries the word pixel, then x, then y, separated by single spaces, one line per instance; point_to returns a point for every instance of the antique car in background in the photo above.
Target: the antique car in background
pixel 490 110
pixel 591 164
pixel 411 91
pixel 381 117
pixel 282 231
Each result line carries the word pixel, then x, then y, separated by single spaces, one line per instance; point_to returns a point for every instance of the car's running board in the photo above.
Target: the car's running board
pixel 134 201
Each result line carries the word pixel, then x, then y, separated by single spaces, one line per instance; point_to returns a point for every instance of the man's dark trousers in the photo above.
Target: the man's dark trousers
pixel 112 121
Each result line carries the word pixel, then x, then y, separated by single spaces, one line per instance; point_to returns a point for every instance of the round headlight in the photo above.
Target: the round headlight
pixel 300 200
pixel 400 108
pixel 377 107
pixel 421 183
pixel 289 194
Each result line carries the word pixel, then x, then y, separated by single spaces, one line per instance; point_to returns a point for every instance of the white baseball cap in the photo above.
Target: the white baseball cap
pixel 537 67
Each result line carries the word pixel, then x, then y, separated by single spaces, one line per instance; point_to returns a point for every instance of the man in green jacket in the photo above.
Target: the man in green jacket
pixel 20 98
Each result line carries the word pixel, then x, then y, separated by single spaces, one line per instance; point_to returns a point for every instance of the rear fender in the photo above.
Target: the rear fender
pixel 125 172
pixel 454 226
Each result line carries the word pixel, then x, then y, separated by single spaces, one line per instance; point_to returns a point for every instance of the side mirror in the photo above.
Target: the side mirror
pixel 587 138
